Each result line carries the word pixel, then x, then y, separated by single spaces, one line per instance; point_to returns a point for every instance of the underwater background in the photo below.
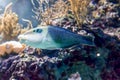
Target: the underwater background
pixel 97 18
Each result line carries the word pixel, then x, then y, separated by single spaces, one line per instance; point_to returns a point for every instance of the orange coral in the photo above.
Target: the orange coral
pixel 11 46
pixel 19 49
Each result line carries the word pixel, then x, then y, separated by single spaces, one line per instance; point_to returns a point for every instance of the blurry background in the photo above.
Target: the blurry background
pixel 21 7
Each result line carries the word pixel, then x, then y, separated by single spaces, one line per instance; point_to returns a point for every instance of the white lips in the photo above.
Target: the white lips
pixel 21 37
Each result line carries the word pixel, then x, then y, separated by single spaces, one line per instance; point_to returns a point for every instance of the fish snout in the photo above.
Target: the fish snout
pixel 20 37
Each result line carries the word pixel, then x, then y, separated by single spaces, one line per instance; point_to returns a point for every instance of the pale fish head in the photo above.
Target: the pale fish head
pixel 33 37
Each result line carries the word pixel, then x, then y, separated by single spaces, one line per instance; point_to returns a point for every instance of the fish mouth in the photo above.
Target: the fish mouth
pixel 22 38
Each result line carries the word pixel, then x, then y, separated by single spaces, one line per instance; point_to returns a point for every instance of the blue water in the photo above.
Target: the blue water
pixel 23 8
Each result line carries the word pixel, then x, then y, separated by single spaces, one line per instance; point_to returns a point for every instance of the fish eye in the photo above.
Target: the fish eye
pixel 34 31
pixel 37 30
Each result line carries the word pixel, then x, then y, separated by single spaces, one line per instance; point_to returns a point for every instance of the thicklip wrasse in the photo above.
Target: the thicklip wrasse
pixel 52 37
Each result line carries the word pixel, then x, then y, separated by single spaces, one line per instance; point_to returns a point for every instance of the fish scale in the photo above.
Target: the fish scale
pixel 62 37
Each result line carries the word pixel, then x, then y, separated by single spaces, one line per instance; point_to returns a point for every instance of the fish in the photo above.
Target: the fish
pixel 53 37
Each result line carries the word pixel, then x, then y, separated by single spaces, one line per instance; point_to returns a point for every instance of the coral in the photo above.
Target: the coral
pixel 44 67
pixel 57 64
pixel 75 76
pixel 86 62
pixel 9 26
pixel 56 10
pixel 60 9
pixel 79 10
pixel 105 16
pixel 29 25
pixel 102 1
pixel 11 46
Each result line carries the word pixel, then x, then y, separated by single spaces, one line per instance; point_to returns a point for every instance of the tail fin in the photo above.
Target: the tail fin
pixel 88 40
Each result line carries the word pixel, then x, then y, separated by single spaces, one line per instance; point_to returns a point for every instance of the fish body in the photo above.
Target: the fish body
pixel 51 37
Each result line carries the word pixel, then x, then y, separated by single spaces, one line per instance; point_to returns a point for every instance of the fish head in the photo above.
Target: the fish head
pixel 33 36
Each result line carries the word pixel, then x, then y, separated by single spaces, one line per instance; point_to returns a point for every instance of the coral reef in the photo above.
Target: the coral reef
pixel 90 62
pixel 61 9
pixel 101 62
pixel 107 18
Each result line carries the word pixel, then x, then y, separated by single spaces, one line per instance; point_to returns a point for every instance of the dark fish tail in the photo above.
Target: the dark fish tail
pixel 87 40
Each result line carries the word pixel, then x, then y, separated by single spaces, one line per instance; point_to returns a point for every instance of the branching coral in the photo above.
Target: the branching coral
pixel 56 10
pixel 102 1
pixel 60 9
pixel 9 26
pixel 29 25
pixel 43 4
pixel 79 10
